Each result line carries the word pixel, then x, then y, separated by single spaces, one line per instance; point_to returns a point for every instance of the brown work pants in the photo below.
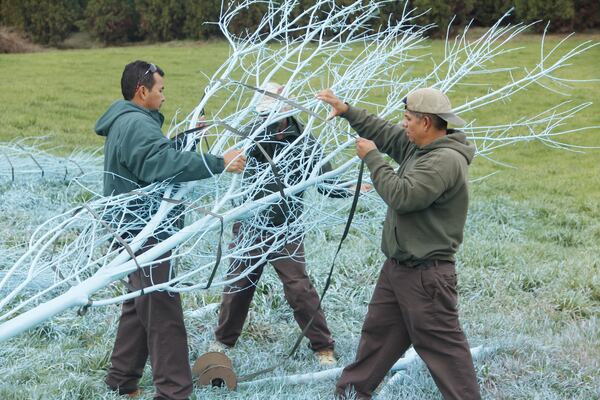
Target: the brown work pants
pixel 290 265
pixel 413 305
pixel 152 325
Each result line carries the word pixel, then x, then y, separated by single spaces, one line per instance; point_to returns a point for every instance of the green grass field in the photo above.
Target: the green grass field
pixel 62 93
pixel 529 266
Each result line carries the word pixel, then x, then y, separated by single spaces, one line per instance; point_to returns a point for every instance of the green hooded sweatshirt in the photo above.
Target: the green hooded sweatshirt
pixel 427 196
pixel 136 153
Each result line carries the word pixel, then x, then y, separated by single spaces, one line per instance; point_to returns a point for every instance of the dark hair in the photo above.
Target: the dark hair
pixel 436 120
pixel 138 73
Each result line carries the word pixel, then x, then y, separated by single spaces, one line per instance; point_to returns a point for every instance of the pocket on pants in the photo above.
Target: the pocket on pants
pixel 448 296
pixel 429 283
pixel 440 285
pixel 448 279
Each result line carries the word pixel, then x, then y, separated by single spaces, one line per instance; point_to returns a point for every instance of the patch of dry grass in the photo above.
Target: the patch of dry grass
pixel 13 41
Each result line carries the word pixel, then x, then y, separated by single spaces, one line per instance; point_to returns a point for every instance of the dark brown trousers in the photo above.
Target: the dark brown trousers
pixel 413 305
pixel 152 325
pixel 290 265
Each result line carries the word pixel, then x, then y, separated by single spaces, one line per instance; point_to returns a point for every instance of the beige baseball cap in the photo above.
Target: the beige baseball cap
pixel 432 101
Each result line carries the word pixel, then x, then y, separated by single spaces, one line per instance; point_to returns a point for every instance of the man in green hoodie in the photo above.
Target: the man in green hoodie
pixel 136 153
pixel 415 298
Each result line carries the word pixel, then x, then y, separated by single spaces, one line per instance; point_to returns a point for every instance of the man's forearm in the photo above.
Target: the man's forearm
pixel 389 138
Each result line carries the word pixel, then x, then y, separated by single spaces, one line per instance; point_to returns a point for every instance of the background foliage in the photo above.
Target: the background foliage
pixel 47 21
pixel 111 21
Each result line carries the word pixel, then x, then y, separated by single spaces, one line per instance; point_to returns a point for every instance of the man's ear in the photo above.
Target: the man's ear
pixel 143 92
pixel 427 121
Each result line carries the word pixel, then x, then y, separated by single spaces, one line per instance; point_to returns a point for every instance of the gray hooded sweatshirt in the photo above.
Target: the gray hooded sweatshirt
pixel 136 153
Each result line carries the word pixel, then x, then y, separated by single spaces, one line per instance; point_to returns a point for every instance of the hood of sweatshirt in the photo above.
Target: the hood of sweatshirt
pixel 119 108
pixel 455 140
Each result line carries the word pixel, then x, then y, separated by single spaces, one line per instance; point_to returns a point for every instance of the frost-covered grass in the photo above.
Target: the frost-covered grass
pixel 529 288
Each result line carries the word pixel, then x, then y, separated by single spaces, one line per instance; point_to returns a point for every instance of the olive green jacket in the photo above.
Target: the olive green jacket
pixel 136 153
pixel 427 196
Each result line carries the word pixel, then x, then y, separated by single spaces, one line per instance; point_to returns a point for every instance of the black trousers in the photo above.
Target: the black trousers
pixel 418 306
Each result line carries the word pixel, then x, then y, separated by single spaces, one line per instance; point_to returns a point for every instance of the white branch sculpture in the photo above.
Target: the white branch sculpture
pixel 77 254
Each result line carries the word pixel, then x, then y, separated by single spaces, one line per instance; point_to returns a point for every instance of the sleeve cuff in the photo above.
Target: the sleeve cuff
pixel 351 114
pixel 217 164
pixel 373 158
pixel 220 164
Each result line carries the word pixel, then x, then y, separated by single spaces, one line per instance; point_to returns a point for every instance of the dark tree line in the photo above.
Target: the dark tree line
pixel 119 21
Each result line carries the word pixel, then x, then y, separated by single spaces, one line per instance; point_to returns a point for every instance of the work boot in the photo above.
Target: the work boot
pixel 325 357
pixel 217 346
pixel 131 395
pixel 138 392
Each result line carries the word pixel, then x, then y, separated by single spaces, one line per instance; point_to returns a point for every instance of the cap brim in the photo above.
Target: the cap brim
pixel 265 106
pixel 453 119
pixel 276 117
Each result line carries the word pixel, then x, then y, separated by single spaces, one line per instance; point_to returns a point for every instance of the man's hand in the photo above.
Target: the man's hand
pixel 235 161
pixel 364 188
pixel 339 107
pixel 363 147
pixel 201 123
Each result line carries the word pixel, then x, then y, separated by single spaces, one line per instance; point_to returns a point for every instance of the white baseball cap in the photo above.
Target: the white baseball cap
pixel 267 103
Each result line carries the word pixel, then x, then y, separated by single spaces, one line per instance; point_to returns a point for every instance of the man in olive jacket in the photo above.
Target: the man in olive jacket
pixel 136 153
pixel 415 299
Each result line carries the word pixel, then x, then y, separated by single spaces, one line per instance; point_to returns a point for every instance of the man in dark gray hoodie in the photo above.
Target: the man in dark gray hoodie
pixel 287 260
pixel 415 299
pixel 136 153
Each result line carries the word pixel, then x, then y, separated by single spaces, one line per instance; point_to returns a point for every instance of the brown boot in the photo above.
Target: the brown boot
pixel 326 357
pixel 138 392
